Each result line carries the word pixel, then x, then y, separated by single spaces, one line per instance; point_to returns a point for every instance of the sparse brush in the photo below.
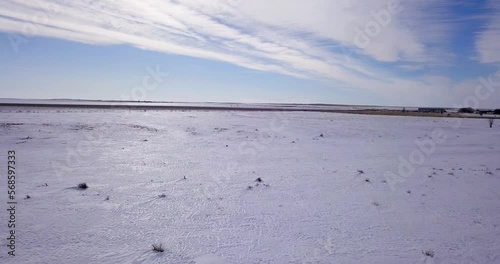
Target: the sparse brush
pixel 107 198
pixel 27 197
pixel 361 171
pixel 162 195
pixel 83 186
pixel 158 248
pixel 249 187
pixel 367 180
pixel 258 180
pixel 408 192
pixel 321 135
pixel 384 181
pixel 375 204
pixel 428 253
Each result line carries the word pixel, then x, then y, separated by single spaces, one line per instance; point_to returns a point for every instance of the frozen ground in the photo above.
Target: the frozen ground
pixel 313 205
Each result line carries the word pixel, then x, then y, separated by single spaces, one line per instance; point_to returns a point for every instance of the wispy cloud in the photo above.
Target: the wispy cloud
pixel 341 42
pixel 488 40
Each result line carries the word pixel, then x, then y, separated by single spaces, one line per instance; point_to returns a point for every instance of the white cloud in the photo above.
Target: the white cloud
pixel 487 43
pixel 411 67
pixel 316 39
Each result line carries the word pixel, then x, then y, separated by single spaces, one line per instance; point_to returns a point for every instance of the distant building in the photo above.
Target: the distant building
pixel 485 111
pixel 431 110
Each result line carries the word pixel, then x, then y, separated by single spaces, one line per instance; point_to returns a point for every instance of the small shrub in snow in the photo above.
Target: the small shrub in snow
pixel 162 195
pixel 27 197
pixel 258 180
pixel 361 171
pixel 367 180
pixel 428 253
pixel 321 135
pixel 408 192
pixel 107 198
pixel 375 204
pixel 83 186
pixel 158 248
pixel 249 187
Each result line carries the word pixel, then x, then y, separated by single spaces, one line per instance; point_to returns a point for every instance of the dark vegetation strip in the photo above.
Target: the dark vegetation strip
pixel 229 108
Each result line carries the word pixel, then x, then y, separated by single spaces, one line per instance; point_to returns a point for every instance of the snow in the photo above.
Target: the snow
pixel 312 206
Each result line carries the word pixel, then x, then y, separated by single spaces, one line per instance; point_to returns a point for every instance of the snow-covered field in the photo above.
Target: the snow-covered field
pixel 312 206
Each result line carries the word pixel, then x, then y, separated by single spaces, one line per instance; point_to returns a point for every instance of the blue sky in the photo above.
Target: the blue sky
pixel 407 53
